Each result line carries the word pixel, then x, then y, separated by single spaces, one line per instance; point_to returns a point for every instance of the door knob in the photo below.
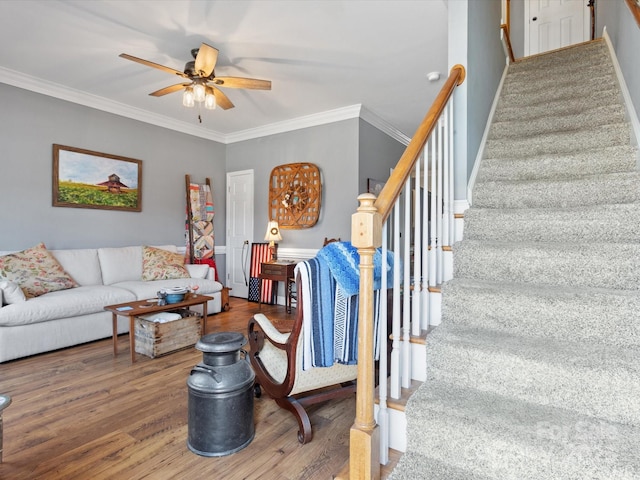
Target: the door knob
pixel 534 18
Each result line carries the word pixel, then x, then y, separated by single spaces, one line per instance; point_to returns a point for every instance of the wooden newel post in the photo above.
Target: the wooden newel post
pixel 364 455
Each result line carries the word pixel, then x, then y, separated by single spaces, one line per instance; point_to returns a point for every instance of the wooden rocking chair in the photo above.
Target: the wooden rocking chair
pixel 276 359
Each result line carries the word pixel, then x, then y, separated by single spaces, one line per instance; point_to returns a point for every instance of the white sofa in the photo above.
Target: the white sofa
pixel 69 317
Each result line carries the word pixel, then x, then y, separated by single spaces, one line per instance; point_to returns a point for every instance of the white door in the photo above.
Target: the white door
pixel 552 24
pixel 239 231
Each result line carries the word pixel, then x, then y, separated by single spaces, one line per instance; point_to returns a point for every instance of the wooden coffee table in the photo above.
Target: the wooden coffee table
pixel 144 307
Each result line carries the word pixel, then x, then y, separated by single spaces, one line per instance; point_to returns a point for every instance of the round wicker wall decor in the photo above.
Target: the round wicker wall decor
pixel 295 192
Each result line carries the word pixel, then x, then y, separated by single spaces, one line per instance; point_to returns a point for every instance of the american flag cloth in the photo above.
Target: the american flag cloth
pixel 260 253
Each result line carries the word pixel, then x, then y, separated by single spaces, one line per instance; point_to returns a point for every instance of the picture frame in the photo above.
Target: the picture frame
pixel 375 186
pixel 87 179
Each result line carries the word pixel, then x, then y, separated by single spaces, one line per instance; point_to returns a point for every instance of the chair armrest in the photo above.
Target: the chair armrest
pixel 271 332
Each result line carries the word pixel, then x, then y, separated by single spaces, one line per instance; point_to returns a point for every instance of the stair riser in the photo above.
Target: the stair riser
pixel 603 318
pixel 618 188
pixel 562 383
pixel 561 93
pixel 593 162
pixel 615 266
pixel 606 115
pixel 562 142
pixel 592 80
pixel 577 105
pixel 532 76
pixel 559 61
pixel 609 224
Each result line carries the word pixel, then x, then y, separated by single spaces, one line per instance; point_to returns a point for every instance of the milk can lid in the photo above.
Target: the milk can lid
pixel 221 342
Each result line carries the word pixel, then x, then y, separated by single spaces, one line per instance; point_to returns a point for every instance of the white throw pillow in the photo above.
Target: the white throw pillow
pixel 197 270
pixel 11 292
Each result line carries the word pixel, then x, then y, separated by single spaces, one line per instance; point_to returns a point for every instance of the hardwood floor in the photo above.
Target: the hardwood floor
pixel 80 413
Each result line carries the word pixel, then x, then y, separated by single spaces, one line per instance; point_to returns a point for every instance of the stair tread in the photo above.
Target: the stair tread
pixel 615 223
pixel 614 159
pixel 592 379
pixel 405 394
pixel 511 439
pixel 616 265
pixel 605 316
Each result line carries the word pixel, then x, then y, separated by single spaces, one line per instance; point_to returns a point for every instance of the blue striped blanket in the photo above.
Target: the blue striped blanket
pixel 330 305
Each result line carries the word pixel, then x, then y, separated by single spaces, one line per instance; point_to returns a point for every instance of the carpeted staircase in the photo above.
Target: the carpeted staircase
pixel 534 372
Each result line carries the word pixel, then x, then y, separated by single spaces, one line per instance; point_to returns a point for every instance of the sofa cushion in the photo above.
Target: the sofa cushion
pixel 82 264
pixel 11 293
pixel 159 264
pixel 122 264
pixel 63 304
pixel 36 270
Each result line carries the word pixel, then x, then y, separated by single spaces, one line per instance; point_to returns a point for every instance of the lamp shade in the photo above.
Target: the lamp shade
pixel 273 232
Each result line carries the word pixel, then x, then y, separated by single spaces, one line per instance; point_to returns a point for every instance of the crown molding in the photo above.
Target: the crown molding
pixel 384 126
pixel 322 118
pixel 55 90
pixel 33 84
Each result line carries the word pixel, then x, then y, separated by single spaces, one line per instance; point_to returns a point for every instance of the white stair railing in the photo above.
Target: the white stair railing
pixel 413 218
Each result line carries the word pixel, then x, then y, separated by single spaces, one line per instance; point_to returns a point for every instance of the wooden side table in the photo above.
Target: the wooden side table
pixel 143 307
pixel 277 272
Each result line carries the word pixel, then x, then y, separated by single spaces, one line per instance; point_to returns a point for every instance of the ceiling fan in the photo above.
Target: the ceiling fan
pixel 201 83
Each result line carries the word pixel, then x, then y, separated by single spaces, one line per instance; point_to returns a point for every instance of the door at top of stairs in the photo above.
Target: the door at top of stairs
pixel 552 24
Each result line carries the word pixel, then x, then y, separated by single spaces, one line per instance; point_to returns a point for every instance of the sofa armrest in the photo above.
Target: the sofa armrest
pixel 211 274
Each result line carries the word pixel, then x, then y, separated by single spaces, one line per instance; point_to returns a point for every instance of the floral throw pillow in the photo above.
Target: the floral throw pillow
pixel 158 264
pixel 36 271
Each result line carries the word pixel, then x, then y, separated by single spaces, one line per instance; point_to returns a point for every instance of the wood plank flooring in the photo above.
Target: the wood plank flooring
pixel 80 413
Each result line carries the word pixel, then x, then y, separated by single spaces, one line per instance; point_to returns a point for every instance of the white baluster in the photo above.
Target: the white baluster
pixel 417 264
pixel 406 291
pixel 383 413
pixel 395 326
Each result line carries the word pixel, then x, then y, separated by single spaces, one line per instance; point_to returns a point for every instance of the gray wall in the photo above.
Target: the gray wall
pixel 486 63
pixel 333 148
pixel 625 37
pixel 378 153
pixel 516 28
pixel 30 123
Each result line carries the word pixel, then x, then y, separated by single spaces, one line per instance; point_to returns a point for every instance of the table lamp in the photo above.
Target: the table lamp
pixel 272 236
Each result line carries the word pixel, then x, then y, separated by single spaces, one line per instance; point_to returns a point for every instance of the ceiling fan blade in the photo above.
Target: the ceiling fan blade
pixel 239 82
pixel 206 60
pixel 167 90
pixel 154 65
pixel 221 99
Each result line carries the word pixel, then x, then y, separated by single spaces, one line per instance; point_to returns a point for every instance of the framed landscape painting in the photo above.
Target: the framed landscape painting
pixel 86 179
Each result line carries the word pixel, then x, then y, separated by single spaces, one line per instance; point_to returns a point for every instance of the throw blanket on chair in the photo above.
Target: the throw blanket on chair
pixel 330 284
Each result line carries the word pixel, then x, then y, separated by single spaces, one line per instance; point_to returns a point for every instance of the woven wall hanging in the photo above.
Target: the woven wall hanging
pixel 295 192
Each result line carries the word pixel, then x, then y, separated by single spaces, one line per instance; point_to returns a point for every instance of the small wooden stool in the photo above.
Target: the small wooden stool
pixel 5 401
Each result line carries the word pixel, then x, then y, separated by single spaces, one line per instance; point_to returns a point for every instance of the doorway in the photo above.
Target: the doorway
pixel 239 231
pixel 553 24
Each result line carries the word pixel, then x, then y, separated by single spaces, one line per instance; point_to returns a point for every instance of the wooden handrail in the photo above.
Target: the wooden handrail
pixel 635 10
pixel 507 38
pixel 401 172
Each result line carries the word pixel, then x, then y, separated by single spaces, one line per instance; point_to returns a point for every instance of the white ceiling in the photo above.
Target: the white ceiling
pixel 321 56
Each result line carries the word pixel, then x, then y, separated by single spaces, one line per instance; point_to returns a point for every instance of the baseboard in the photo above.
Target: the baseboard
pixel 485 135
pixel 631 112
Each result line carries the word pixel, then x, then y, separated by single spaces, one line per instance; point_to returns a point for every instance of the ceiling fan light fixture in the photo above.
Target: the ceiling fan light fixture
pixel 209 99
pixel 198 92
pixel 188 98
